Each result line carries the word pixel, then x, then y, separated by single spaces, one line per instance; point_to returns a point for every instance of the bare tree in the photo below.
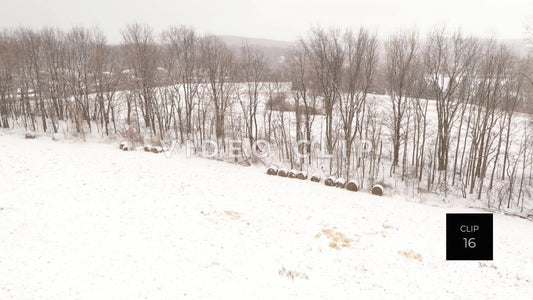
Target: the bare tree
pixel 360 51
pixel 401 55
pixel 446 60
pixel 218 69
pixel 299 73
pixel 253 67
pixel 325 52
pixel 182 44
pixel 140 54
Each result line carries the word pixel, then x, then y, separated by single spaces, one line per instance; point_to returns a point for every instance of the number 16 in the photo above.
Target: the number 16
pixel 470 243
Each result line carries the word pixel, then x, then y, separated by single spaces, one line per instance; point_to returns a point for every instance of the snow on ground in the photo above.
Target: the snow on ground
pixel 88 221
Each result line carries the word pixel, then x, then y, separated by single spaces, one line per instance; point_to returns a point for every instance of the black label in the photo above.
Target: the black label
pixel 469 236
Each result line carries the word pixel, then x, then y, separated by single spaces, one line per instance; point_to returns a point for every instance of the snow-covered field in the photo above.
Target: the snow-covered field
pixel 88 221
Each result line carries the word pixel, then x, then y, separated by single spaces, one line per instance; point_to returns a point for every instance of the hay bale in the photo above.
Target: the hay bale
pixel 244 163
pixel 302 175
pixel 329 181
pixel 377 190
pixel 272 170
pixel 157 149
pixel 58 136
pixel 29 135
pixel 127 147
pixel 282 172
pixel 315 177
pixel 147 148
pixel 121 145
pixel 352 186
pixel 340 182
pixel 292 173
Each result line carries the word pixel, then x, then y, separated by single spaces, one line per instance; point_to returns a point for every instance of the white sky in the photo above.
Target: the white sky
pixel 273 19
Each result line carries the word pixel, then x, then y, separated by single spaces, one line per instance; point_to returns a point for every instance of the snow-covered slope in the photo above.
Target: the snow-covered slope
pixel 88 221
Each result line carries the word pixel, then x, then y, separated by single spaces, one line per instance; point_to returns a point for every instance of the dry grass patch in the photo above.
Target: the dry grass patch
pixel 486 265
pixel 337 239
pixel 233 214
pixel 216 216
pixel 292 274
pixel 411 254
pixel 379 232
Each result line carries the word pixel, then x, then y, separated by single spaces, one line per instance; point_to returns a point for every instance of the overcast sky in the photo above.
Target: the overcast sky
pixel 273 19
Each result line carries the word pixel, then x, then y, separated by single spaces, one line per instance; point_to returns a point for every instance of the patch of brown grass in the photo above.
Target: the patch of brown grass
pixel 233 214
pixel 292 274
pixel 411 254
pixel 379 232
pixel 337 239
pixel 215 216
pixel 486 265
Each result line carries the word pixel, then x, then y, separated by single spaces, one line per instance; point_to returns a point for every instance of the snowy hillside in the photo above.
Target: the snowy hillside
pixel 87 221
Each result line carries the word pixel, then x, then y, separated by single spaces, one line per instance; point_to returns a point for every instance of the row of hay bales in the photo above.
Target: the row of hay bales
pixel 284 173
pixel 57 136
pixel 328 181
pixel 127 146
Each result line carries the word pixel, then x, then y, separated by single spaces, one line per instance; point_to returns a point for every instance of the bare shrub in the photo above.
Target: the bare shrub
pixel 279 102
pixel 131 134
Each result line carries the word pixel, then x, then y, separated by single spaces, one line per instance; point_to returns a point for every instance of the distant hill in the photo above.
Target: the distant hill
pixel 233 40
pixel 274 50
pixel 522 47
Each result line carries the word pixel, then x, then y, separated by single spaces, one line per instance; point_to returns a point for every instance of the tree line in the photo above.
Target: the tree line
pixel 445 112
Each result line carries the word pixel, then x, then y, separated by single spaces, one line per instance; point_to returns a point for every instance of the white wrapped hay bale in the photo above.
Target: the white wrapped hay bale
pixel 29 134
pixel 330 181
pixel 282 172
pixel 352 186
pixel 292 173
pixel 377 190
pixel 127 147
pixel 340 182
pixel 147 148
pixel 302 175
pixel 272 170
pixel 121 145
pixel 157 149
pixel 315 177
